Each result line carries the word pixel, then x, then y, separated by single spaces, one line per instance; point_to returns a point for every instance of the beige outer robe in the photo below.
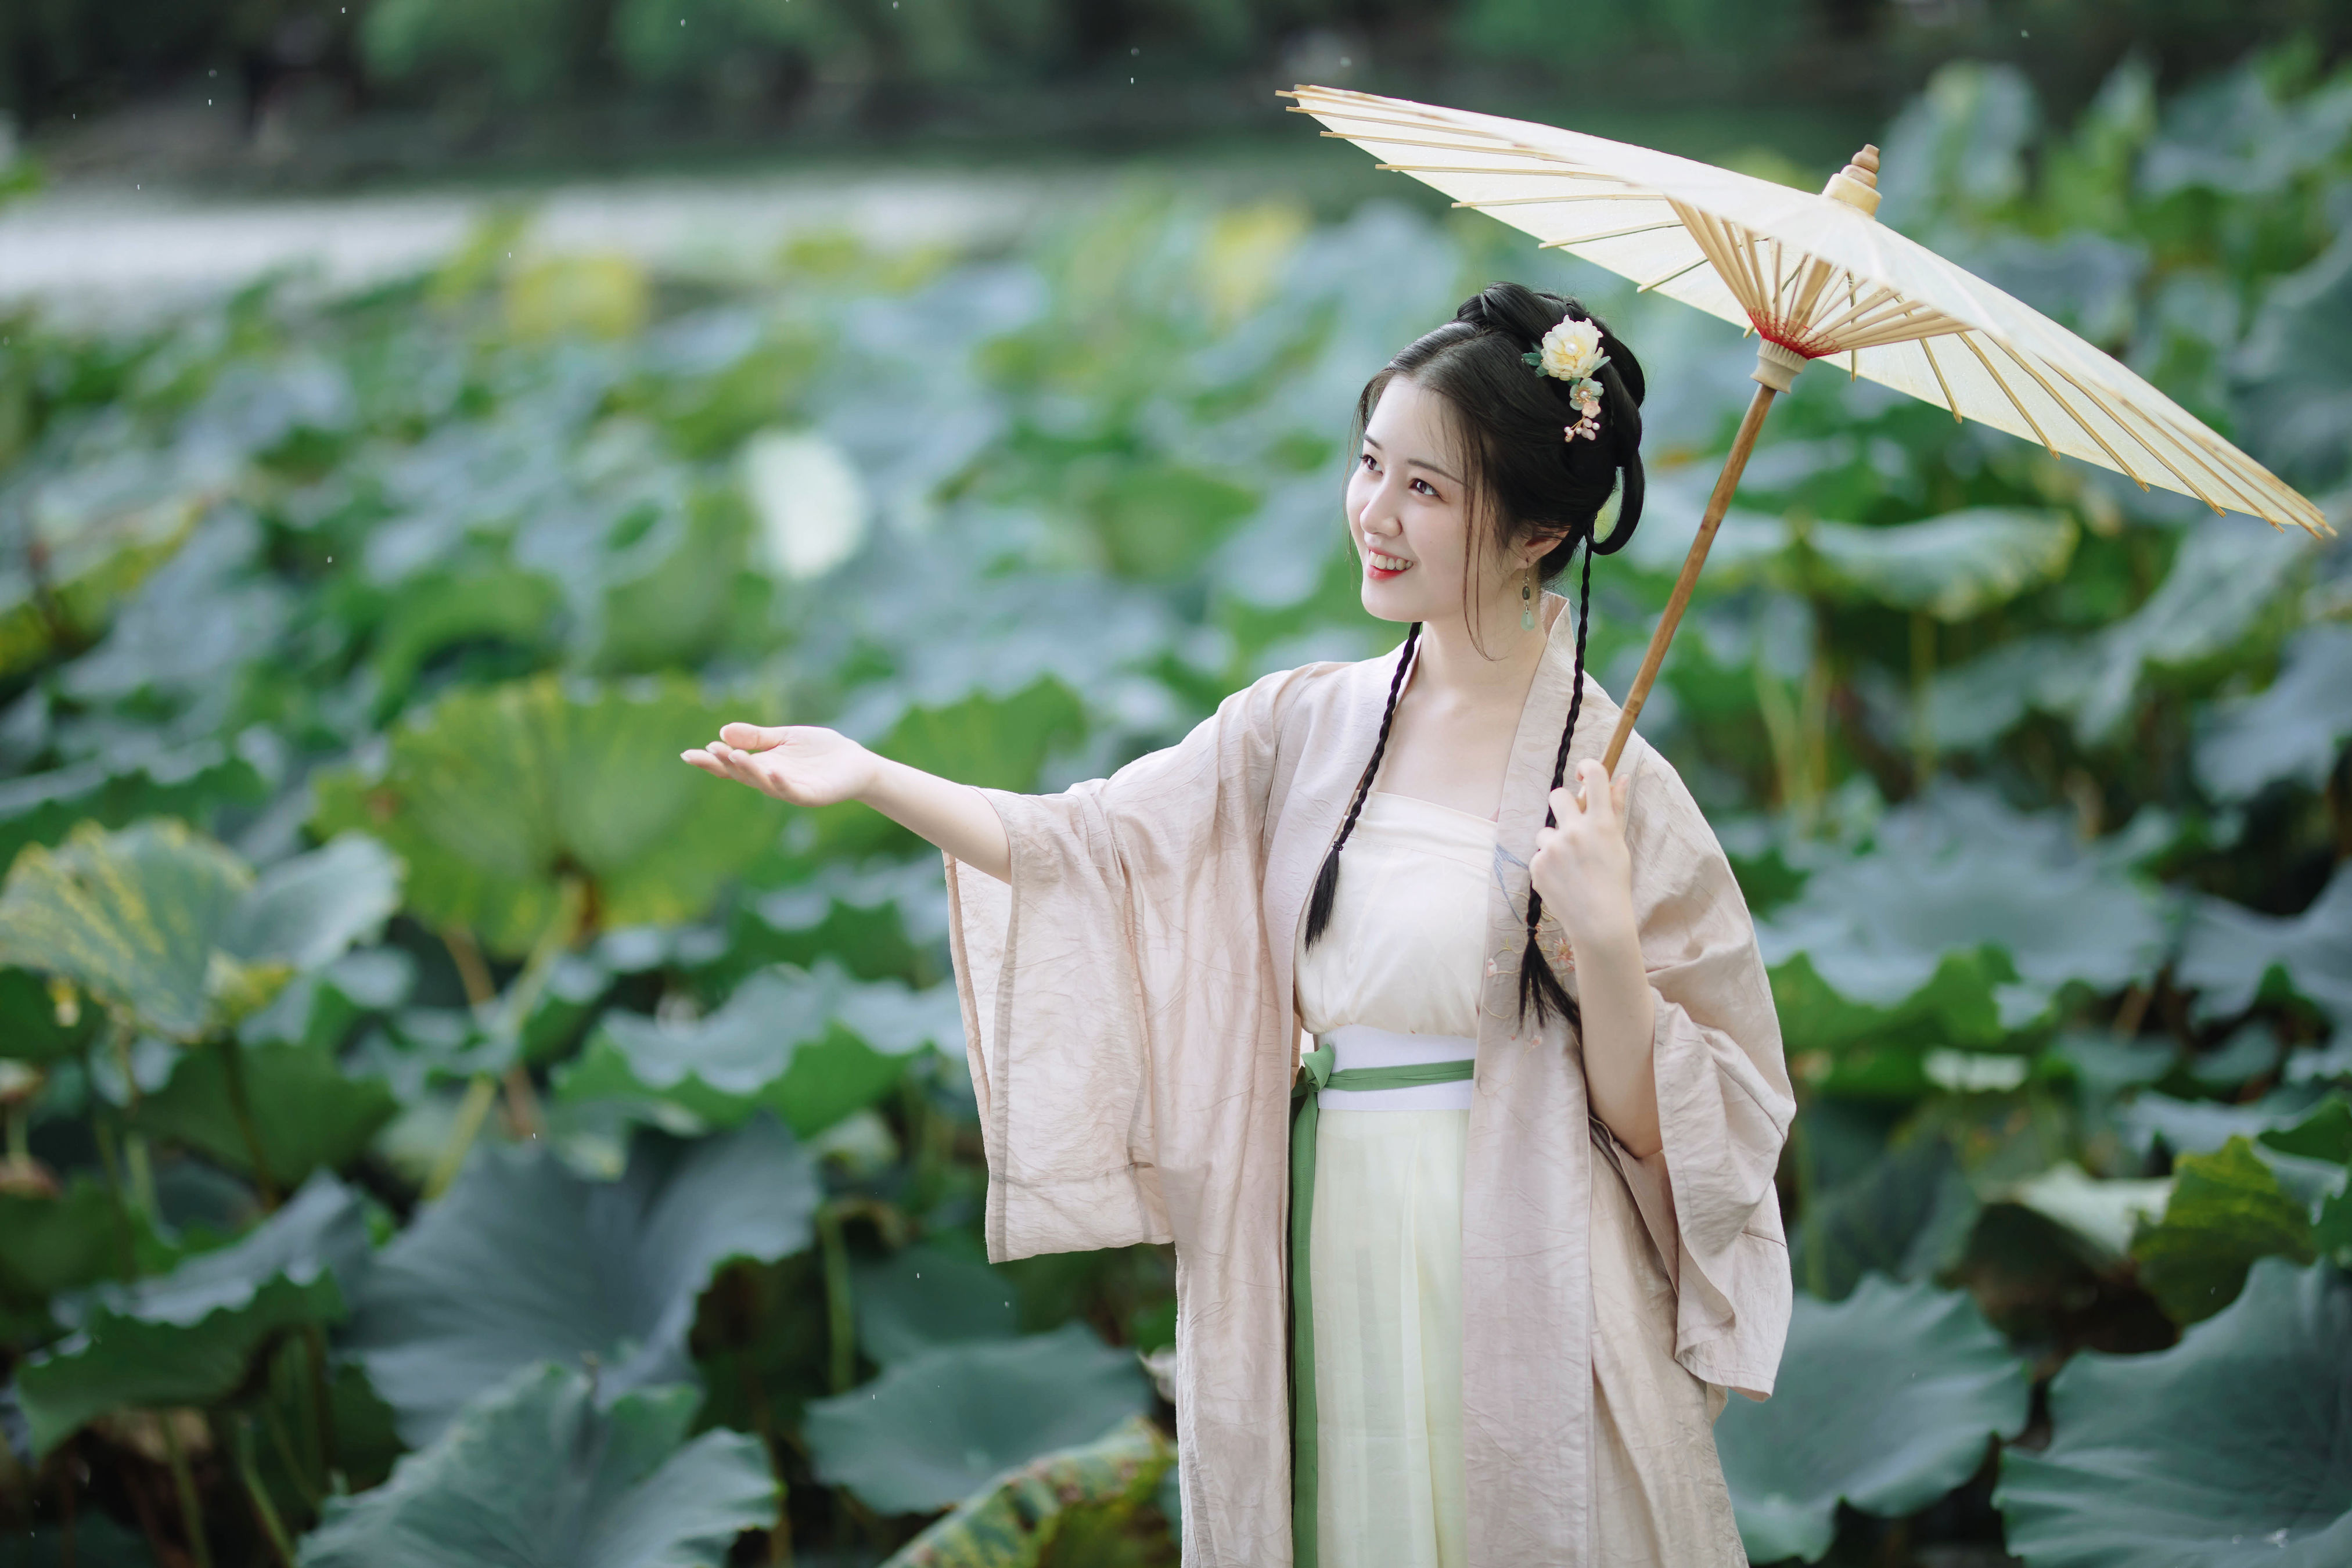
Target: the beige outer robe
pixel 1128 1009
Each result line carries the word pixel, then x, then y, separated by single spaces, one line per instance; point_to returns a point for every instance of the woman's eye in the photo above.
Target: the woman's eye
pixel 1426 489
pixel 1365 459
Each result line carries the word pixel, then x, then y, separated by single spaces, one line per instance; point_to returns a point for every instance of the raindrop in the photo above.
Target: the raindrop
pixel 1135 51
pixel 1345 61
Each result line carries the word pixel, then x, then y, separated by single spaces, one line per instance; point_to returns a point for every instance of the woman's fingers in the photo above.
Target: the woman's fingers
pixel 752 737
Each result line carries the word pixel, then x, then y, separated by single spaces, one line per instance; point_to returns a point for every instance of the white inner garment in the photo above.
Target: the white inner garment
pixel 1361 1046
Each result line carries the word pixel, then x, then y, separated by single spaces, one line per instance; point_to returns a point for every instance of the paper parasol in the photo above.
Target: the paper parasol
pixel 1813 276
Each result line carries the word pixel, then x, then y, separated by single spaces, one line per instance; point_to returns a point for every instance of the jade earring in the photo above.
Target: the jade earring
pixel 1528 601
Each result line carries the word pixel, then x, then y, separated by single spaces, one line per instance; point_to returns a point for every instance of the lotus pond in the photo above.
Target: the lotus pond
pixel 444 1128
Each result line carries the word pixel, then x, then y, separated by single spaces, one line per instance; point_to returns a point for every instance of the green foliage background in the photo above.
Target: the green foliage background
pixel 428 1102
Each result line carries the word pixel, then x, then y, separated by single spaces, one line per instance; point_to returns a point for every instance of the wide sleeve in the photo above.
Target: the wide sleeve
pixel 1104 986
pixel 1723 1102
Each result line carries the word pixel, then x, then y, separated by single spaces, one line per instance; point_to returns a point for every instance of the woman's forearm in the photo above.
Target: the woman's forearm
pixel 957 818
pixel 1620 1021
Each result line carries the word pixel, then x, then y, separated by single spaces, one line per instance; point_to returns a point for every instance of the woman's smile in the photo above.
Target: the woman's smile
pixel 1380 567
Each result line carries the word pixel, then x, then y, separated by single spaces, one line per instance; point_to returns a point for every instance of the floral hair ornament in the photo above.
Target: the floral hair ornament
pixel 1571 352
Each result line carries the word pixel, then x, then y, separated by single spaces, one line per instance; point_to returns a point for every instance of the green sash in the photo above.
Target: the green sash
pixel 1319 1074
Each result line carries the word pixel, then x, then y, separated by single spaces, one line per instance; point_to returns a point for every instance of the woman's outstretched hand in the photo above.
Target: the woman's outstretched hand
pixel 809 765
pixel 1581 866
pixel 801 763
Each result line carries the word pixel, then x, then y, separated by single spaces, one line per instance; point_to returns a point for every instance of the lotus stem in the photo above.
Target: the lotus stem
pixel 141 1170
pixel 1923 672
pixel 184 1481
pixel 472 972
pixel 506 1020
pixel 840 1309
pixel 111 1161
pixel 265 1511
pixel 322 1403
pixel 282 1440
pixel 240 1105
pixel 479 1093
pixel 763 1421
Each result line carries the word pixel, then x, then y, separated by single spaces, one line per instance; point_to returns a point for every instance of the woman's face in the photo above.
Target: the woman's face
pixel 1410 514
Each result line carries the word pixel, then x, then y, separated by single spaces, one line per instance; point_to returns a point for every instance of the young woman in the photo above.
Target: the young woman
pixel 1448 1064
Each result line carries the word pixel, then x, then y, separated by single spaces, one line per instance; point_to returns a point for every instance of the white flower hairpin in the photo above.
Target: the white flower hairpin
pixel 1571 352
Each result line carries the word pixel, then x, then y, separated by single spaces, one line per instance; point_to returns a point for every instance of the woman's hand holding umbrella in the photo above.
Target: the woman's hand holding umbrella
pixel 1585 874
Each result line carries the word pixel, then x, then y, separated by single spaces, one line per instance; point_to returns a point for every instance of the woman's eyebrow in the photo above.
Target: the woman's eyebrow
pixel 1416 462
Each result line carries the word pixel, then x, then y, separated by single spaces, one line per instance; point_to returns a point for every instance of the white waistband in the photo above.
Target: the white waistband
pixel 1361 1046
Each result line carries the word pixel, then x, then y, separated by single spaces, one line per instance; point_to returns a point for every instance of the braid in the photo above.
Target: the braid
pixel 1326 881
pixel 1539 987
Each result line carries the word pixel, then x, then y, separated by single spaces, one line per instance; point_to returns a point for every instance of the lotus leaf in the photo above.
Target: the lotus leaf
pixel 1955 872
pixel 1952 567
pixel 49 1245
pixel 189 782
pixel 98 534
pixel 2290 388
pixel 2228 953
pixel 36 1027
pixel 933 1428
pixel 1908 1214
pixel 495 795
pixel 2324 1135
pixel 172 929
pixel 811 1046
pixel 2227 1209
pixel 308 1114
pixel 190 1336
pixel 2223 578
pixel 922 1297
pixel 538 1473
pixel 2295 729
pixel 1086 1507
pixel 523 1261
pixel 1885 1401
pixel 98 1542
pixel 2201 1126
pixel 2102 1214
pixel 2230 1450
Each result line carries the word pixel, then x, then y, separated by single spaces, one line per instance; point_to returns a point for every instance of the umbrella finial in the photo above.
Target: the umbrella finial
pixel 1857 184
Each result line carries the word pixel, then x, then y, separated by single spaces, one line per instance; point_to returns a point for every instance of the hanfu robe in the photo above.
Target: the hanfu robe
pixel 1130 1027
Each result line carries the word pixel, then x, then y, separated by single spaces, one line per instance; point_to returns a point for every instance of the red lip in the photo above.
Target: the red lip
pixel 1379 574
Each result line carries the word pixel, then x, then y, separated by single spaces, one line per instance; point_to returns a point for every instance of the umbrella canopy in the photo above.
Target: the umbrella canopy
pixel 1815 277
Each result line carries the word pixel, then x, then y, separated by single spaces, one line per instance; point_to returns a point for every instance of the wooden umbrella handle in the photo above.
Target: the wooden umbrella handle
pixel 1716 505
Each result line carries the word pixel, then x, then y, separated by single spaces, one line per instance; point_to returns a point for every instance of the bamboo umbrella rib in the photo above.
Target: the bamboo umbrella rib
pixel 1951 404
pixel 1609 233
pixel 1562 173
pixel 1968 342
pixel 2189 449
pixel 2204 458
pixel 1665 278
pixel 1857 313
pixel 1499 151
pixel 1629 194
pixel 2265 483
pixel 2081 423
pixel 1360 118
pixel 1902 329
pixel 2152 449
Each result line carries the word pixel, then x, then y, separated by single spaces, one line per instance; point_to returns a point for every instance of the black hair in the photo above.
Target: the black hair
pixel 1525 481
